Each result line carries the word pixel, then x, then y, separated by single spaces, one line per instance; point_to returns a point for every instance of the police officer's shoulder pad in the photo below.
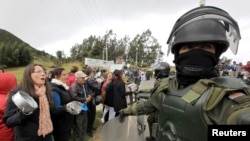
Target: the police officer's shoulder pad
pixel 229 82
pixel 162 86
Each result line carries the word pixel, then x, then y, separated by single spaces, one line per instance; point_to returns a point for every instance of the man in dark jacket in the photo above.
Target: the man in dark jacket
pixel 80 92
pixel 95 90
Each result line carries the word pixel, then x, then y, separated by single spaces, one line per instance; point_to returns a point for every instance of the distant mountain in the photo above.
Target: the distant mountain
pixel 7 37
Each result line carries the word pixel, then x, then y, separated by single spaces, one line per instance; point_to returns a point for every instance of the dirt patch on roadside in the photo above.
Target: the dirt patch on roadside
pixel 97 136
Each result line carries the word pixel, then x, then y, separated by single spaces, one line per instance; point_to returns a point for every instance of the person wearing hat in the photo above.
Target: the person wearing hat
pixel 161 71
pixel 80 92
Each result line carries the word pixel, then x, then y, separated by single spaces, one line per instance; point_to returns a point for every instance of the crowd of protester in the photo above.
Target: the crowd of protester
pixel 56 90
pixel 236 70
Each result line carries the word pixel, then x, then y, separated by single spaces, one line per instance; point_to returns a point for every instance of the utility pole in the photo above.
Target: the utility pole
pixel 202 2
pixel 103 51
pixel 106 48
pixel 106 52
pixel 127 52
pixel 136 56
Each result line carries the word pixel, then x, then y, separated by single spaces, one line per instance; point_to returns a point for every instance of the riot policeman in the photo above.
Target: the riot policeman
pixel 197 97
pixel 162 70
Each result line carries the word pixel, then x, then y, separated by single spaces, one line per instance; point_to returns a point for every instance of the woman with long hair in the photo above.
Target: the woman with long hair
pixel 107 92
pixel 120 93
pixel 33 125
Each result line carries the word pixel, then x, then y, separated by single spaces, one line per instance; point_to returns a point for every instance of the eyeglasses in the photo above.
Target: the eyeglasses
pixel 40 71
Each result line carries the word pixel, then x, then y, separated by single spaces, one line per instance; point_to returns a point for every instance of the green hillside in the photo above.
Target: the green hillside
pixel 7 38
pixel 15 52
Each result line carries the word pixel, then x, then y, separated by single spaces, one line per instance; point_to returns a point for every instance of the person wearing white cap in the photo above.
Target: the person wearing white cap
pixel 80 92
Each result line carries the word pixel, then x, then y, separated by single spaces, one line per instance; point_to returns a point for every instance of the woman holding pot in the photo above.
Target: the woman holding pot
pixel 62 117
pixel 31 121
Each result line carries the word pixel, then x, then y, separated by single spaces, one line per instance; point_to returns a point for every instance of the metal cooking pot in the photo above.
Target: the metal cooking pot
pixel 24 102
pixel 133 87
pixel 74 107
pixel 100 79
pixel 97 100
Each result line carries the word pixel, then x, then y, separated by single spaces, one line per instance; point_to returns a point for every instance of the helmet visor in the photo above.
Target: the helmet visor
pixel 231 28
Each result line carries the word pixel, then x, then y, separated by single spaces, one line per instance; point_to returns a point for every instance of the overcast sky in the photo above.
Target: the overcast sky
pixel 53 25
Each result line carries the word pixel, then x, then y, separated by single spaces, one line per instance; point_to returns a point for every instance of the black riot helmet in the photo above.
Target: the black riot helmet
pixel 208 25
pixel 205 24
pixel 162 69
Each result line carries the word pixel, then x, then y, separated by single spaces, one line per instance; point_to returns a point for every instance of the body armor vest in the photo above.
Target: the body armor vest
pixel 184 120
pixel 177 116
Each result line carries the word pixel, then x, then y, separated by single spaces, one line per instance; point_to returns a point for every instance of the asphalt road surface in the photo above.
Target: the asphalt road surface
pixel 128 130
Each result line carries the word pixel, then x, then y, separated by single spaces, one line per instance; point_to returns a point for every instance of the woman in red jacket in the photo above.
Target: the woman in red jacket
pixel 247 67
pixel 7 83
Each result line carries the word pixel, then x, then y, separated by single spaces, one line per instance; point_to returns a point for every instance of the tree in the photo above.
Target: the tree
pixel 144 48
pixel 59 55
pixel 15 54
pixel 25 56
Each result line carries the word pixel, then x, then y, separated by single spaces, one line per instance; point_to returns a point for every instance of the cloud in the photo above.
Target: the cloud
pixel 60 24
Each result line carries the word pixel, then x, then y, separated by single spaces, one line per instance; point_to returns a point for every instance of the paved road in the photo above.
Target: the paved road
pixel 127 131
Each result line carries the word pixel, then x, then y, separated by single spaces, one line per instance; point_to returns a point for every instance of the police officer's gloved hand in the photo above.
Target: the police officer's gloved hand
pixel 122 116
